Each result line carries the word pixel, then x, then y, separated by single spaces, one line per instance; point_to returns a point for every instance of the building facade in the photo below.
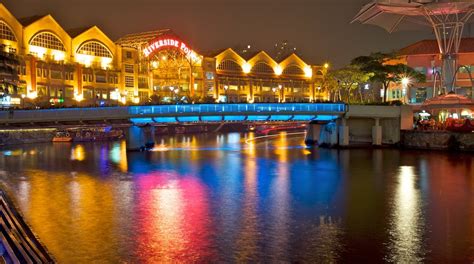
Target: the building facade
pixel 48 64
pixel 424 57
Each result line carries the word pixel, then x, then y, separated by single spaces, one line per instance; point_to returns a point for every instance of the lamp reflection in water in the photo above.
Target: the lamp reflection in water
pixel 172 215
pixel 280 202
pixel 247 241
pixel 78 152
pixel 406 227
pixel 118 155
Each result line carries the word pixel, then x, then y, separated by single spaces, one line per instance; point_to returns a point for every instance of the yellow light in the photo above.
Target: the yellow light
pixel 155 64
pixel 105 62
pixel 246 67
pixel 39 51
pixel 136 100
pixel 278 70
pixel 308 72
pixel 326 65
pixel 405 81
pixel 78 97
pixel 32 94
pixel 86 60
pixel 58 55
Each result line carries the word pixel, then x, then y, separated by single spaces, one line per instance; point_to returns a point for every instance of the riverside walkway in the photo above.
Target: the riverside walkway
pixel 18 243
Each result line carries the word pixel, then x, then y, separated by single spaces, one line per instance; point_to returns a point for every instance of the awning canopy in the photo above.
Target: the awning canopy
pixel 448 101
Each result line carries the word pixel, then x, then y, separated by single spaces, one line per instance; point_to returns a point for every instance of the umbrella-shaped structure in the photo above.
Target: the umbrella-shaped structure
pixel 451 106
pixel 446 17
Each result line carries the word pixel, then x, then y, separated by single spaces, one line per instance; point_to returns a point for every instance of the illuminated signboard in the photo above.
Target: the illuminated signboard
pixel 167 42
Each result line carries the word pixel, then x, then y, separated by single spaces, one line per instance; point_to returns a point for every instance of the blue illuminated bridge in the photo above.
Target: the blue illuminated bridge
pixel 182 113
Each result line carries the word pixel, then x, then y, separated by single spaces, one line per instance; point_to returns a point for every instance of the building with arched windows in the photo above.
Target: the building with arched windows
pixel 42 62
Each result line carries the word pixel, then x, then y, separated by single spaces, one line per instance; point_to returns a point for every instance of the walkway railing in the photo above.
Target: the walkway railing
pixel 239 109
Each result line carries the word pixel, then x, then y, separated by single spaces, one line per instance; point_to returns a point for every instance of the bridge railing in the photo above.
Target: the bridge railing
pixel 236 108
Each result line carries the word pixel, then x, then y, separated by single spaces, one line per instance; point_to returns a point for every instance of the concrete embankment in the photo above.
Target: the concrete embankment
pixel 26 136
pixel 437 140
pixel 19 244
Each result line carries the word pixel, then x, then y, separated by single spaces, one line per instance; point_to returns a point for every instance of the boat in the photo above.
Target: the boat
pixel 97 134
pixel 62 136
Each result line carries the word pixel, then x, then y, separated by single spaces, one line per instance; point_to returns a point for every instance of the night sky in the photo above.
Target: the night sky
pixel 320 29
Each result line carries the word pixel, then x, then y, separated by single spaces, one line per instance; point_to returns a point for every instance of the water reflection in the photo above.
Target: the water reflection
pixel 242 198
pixel 406 228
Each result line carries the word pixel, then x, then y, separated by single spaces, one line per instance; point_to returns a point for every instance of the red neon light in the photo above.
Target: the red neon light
pixel 168 42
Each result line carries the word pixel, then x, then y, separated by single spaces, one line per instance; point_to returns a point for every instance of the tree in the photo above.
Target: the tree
pixel 346 80
pixel 382 71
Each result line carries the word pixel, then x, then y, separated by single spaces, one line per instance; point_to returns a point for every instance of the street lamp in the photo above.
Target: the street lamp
pixel 280 87
pixel 226 87
pixel 405 82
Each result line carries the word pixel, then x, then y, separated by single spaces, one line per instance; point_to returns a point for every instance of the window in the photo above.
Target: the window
pixel 47 40
pixel 94 48
pixel 128 54
pixel 45 73
pixel 143 96
pixel 129 68
pixel 87 77
pixel 421 70
pixel 142 82
pixel 56 74
pixel 129 81
pixel 113 79
pixel 293 70
pixel 229 65
pixel 6 32
pixel 262 67
pixel 100 79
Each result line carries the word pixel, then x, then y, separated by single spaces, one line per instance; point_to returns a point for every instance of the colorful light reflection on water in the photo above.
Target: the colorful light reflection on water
pixel 240 198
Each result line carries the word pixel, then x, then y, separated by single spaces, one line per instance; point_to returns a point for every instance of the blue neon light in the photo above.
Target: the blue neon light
pixel 303 117
pixel 257 117
pixel 188 118
pixel 236 108
pixel 165 119
pixel 141 120
pixel 211 118
pixel 325 118
pixel 234 118
pixel 280 117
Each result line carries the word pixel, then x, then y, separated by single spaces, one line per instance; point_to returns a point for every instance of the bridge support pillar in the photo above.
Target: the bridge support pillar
pixel 328 135
pixel 377 133
pixel 140 138
pixel 343 133
pixel 313 132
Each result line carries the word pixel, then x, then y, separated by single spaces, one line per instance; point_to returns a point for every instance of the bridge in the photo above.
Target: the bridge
pixel 333 124
pixel 180 113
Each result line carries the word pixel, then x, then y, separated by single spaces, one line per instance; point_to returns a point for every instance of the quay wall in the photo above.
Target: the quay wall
pixel 26 136
pixel 437 140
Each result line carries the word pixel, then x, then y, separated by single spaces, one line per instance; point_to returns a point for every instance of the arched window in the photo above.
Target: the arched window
pixel 47 40
pixel 229 65
pixel 319 73
pixel 293 70
pixel 262 67
pixel 94 48
pixel 6 32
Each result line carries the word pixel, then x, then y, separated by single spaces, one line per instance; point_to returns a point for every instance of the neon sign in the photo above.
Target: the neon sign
pixel 161 43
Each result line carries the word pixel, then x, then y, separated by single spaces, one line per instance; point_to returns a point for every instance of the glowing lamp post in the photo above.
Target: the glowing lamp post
pixel 226 87
pixel 405 84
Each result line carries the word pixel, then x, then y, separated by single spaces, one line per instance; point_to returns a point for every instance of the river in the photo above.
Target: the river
pixel 242 198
